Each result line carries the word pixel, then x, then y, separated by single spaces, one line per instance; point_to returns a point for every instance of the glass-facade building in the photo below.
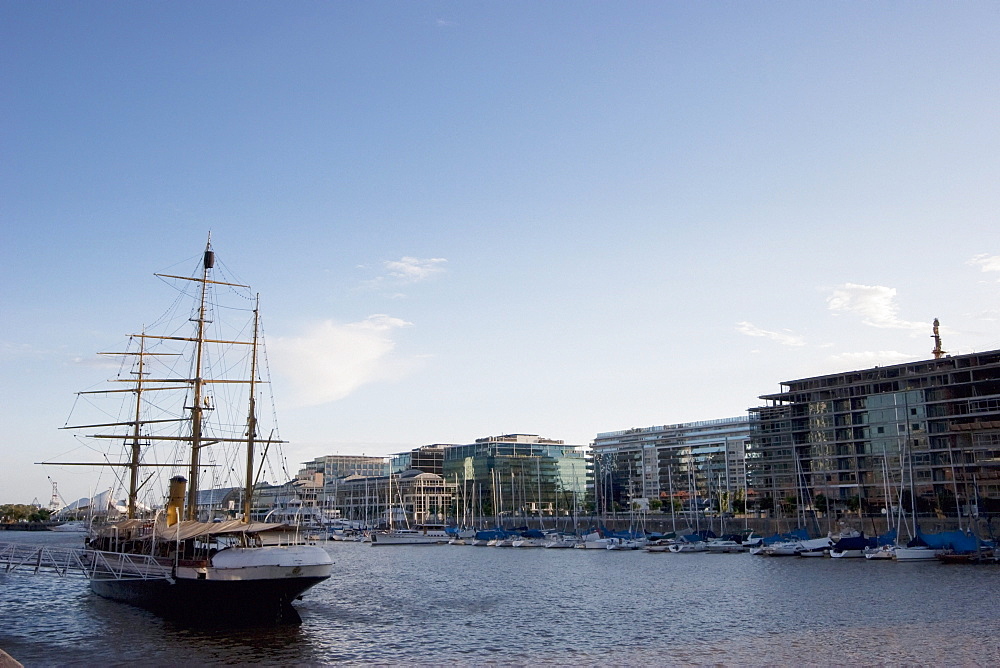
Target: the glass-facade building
pixel 428 458
pixel 517 475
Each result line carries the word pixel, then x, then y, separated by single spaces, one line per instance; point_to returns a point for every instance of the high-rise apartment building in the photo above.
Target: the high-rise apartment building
pixel 694 465
pixel 924 435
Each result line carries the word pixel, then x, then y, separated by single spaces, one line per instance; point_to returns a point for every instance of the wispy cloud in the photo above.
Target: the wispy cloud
pixel 986 262
pixel 11 351
pixel 403 272
pixel 331 360
pixel 14 352
pixel 414 270
pixel 785 337
pixel 874 303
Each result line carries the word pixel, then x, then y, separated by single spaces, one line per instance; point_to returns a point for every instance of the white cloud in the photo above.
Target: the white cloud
pixel 331 360
pixel 405 271
pixel 986 262
pixel 785 338
pixel 10 351
pixel 874 303
pixel 988 315
pixel 414 270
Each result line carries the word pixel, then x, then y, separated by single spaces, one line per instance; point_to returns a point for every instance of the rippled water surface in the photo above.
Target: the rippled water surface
pixel 465 605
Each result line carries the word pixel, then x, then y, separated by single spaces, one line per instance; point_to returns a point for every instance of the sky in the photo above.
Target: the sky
pixel 469 219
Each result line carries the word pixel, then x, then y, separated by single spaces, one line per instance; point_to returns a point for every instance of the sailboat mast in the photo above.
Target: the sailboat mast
pixel 252 418
pixel 196 407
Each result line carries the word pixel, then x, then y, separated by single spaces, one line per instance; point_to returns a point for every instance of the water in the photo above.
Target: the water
pixel 468 605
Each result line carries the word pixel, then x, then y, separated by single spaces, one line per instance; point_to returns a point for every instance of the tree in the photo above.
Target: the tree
pixel 40 515
pixel 739 502
pixel 853 503
pixel 765 503
pixel 20 512
pixel 821 503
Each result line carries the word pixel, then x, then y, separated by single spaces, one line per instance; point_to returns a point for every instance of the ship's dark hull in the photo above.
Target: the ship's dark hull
pixel 230 601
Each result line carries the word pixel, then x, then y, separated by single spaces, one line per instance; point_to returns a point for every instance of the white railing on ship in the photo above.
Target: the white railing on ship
pixel 93 564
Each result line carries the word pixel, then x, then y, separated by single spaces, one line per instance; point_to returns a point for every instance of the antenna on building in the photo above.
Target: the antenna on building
pixel 937 352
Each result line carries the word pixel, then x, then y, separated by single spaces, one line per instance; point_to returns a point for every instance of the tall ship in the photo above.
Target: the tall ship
pixel 185 417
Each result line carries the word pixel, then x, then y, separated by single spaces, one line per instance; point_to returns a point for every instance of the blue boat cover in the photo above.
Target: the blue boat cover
pixel 797 534
pixel 491 534
pixel 959 541
pixel 854 543
pixel 887 538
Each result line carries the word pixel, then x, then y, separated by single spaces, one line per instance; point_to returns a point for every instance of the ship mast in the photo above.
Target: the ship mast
pixel 198 382
pixel 252 417
pixel 133 480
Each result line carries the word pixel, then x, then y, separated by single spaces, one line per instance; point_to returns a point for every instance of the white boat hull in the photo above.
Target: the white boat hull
pixel 847 554
pixel 402 538
pixel 884 552
pixel 915 554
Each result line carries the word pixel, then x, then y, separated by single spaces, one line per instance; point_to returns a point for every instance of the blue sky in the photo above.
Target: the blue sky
pixel 471 218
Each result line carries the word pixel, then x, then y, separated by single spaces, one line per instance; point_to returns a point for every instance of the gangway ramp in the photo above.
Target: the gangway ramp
pixel 91 564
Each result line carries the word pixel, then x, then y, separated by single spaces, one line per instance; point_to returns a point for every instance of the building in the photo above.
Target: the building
pixel 517 476
pixel 318 480
pixel 921 435
pixel 695 466
pixel 270 503
pixel 341 466
pixel 414 496
pixel 429 459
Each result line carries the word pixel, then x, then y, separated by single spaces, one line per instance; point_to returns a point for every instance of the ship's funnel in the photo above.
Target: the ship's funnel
pixel 175 502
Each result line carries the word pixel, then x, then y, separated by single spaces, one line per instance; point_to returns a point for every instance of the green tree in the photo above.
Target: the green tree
pixel 40 515
pixel 20 512
pixel 821 503
pixel 739 502
pixel 854 503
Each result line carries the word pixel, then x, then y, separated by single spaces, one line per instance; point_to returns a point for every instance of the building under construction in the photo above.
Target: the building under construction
pixel 922 436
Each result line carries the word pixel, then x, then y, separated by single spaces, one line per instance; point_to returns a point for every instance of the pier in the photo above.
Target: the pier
pixel 91 564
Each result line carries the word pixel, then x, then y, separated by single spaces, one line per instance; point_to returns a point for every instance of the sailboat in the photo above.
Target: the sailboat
pixel 179 561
